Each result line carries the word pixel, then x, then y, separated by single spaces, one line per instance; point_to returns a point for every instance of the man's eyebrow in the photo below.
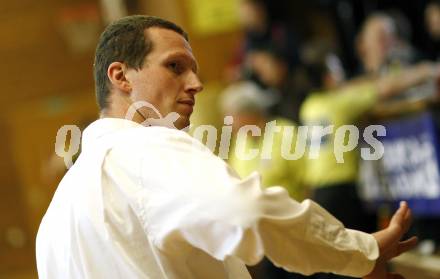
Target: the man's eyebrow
pixel 185 56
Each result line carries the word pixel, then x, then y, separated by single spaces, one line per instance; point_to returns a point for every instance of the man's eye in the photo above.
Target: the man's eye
pixel 175 67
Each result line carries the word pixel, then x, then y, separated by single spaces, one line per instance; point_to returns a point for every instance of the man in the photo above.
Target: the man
pixel 335 103
pixel 383 44
pixel 154 203
pixel 432 23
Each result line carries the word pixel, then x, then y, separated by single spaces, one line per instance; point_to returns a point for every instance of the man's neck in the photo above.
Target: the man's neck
pixel 119 106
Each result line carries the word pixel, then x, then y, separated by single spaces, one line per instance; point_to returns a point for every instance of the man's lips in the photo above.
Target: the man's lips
pixel 188 106
pixel 187 102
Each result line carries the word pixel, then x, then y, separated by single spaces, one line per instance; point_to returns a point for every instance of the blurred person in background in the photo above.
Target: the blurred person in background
pixel 383 43
pixel 432 22
pixel 272 72
pixel 248 104
pixel 269 56
pixel 384 48
pixel 339 102
pixel 260 30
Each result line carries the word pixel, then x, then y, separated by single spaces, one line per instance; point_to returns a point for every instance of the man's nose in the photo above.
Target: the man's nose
pixel 193 84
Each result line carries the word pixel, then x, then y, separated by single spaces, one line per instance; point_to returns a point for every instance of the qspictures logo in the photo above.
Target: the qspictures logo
pixel 296 141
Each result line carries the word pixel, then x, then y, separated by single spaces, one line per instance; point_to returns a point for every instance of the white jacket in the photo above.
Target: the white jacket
pixel 152 202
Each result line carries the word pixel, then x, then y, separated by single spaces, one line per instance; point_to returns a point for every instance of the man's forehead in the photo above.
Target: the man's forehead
pixel 162 37
pixel 169 44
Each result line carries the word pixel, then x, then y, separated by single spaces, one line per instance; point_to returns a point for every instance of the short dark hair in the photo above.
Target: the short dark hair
pixel 125 41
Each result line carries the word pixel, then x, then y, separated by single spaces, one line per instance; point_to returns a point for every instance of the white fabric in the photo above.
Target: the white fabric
pixel 155 203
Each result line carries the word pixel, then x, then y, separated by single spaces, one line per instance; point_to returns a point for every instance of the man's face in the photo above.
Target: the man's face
pixel 432 18
pixel 377 40
pixel 168 79
pixel 270 70
pixel 252 16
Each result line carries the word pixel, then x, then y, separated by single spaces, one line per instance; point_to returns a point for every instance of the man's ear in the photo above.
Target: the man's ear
pixel 116 74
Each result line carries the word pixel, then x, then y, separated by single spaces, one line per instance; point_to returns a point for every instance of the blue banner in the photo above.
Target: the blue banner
pixel 409 168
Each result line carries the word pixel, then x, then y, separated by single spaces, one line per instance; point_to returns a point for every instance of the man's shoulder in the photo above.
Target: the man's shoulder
pixel 143 141
pixel 156 135
pixel 133 141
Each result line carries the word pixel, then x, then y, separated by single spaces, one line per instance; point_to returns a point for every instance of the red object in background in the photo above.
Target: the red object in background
pixel 79 13
pixel 80 26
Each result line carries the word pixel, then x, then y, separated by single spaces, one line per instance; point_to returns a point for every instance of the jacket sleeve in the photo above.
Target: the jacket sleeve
pixel 189 196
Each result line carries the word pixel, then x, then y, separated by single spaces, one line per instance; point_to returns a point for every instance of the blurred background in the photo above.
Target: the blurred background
pixel 281 50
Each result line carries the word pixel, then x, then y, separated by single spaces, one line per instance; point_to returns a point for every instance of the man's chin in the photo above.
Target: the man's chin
pixel 182 122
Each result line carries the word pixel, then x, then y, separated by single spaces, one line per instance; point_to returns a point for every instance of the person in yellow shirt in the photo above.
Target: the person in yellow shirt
pixel 248 104
pixel 339 103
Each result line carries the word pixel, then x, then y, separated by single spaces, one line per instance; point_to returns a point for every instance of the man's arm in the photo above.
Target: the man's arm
pixel 190 198
pixel 394 84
